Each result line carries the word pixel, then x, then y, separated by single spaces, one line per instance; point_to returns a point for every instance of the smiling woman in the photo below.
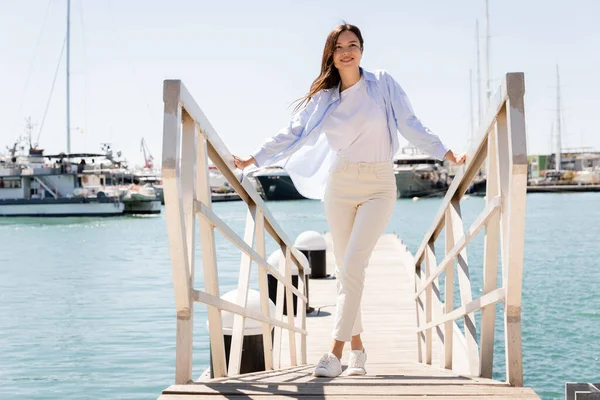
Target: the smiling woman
pixel 350 167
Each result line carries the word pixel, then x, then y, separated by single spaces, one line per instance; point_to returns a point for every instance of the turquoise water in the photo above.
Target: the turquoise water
pixel 87 307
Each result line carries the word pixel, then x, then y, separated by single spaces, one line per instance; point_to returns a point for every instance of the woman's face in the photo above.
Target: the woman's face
pixel 347 53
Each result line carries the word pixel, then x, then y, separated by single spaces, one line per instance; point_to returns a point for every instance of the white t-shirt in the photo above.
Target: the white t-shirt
pixel 357 129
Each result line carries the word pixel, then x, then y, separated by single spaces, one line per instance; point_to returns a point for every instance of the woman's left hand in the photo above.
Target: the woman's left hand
pixel 458 159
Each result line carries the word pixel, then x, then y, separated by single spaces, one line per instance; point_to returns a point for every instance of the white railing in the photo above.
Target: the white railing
pixel 189 141
pixel 503 143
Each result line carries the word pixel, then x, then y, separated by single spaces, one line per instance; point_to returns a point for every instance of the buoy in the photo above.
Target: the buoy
pixel 314 246
pixel 253 358
pixel 415 198
pixel 274 260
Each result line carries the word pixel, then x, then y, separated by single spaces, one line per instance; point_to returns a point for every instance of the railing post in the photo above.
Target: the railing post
pixel 290 305
pixel 301 315
pixel 279 312
pixel 264 291
pixel 420 312
pixel 176 228
pixel 429 261
pixel 464 283
pixel 449 293
pixel 237 339
pixel 490 256
pixel 185 326
pixel 514 187
pixel 209 262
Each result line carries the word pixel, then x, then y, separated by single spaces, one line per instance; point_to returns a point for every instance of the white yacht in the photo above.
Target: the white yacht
pixel 32 186
pixel 418 174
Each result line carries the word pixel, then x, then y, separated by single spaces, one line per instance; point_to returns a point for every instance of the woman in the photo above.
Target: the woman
pixel 360 114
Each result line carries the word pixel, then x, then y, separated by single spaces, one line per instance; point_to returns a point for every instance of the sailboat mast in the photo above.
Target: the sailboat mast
pixel 488 89
pixel 558 125
pixel 471 119
pixel 68 76
pixel 479 105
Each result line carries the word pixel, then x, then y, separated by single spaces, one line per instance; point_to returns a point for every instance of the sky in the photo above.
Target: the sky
pixel 245 62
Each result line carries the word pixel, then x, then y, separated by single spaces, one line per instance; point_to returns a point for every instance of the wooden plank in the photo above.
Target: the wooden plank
pixel 484 301
pixel 218 223
pixel 514 236
pixel 490 262
pixel 209 263
pixel 315 389
pixel 233 308
pixel 362 397
pixel 264 292
pixel 237 339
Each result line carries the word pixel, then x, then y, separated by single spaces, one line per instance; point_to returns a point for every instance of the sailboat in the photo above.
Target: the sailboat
pixel 32 186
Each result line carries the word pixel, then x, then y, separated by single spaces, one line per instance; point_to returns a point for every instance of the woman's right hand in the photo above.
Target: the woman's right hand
pixel 242 163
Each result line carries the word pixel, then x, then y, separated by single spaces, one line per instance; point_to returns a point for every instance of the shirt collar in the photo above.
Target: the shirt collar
pixel 335 92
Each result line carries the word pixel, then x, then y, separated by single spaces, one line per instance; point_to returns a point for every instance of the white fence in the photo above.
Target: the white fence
pixel 189 141
pixel 503 144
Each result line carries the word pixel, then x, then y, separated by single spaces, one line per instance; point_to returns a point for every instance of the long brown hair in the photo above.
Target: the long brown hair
pixel 329 76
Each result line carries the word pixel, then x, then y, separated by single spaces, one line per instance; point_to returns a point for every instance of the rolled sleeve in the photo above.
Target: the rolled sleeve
pixel 409 125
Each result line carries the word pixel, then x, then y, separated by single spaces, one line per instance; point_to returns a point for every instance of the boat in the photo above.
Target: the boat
pixel 31 187
pixel 141 199
pixel 418 174
pixel 276 184
pixel 34 184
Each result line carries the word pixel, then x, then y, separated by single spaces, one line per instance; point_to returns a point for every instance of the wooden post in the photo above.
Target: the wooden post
pixel 464 282
pixel 290 305
pixel 429 261
pixel 420 311
pixel 515 188
pixel 176 229
pixel 185 331
pixel 449 292
pixel 264 291
pixel 301 314
pixel 237 339
pixel 279 312
pixel 490 258
pixel 209 262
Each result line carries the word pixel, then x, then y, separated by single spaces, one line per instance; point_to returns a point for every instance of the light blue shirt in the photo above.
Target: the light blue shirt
pixel 307 157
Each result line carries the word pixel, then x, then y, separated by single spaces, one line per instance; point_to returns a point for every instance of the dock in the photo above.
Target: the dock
pixel 414 344
pixel 389 319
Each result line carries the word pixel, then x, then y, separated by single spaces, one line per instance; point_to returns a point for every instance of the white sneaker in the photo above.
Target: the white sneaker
pixel 356 362
pixel 329 366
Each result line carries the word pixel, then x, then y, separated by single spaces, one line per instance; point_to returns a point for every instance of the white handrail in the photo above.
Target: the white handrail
pixel 189 141
pixel 502 140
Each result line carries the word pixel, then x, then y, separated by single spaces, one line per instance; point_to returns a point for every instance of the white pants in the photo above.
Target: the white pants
pixel 359 201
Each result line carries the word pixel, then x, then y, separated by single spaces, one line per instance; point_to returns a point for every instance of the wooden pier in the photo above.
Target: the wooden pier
pixel 415 346
pixel 389 320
